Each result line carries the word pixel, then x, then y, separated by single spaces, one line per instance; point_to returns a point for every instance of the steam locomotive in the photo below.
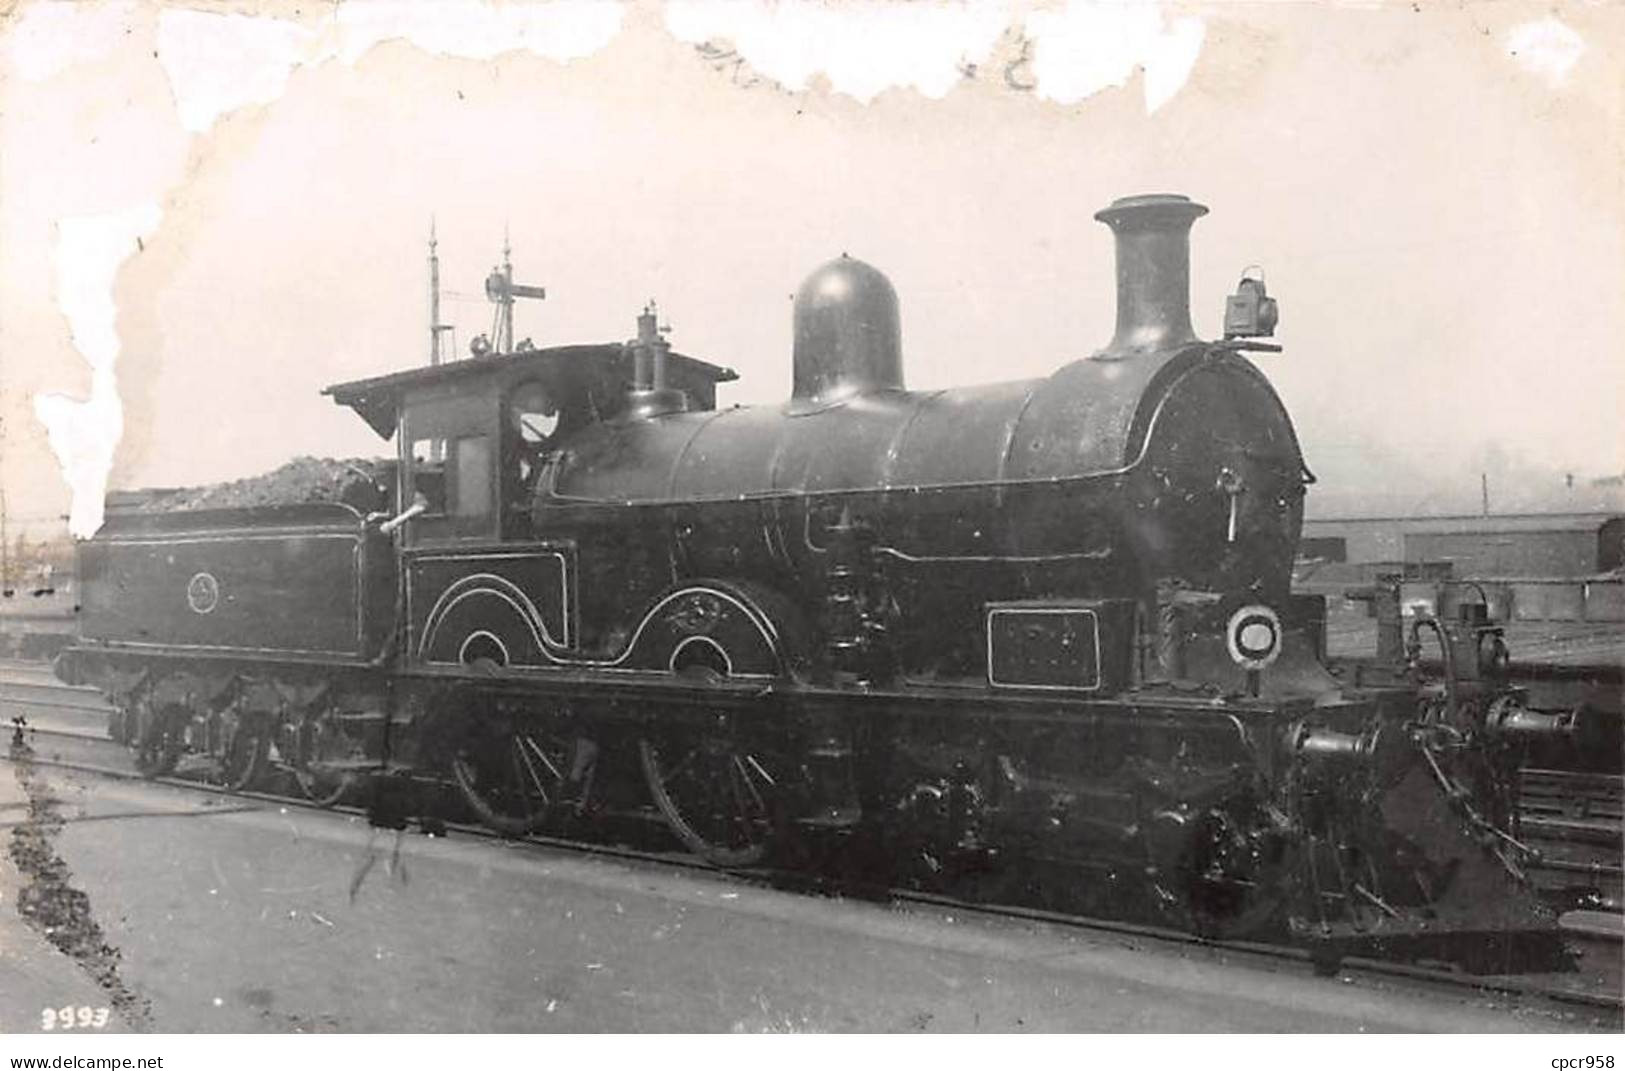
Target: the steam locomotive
pixel 1043 619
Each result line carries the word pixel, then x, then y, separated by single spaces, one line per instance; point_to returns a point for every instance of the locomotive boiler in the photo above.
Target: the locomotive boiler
pixel 1047 619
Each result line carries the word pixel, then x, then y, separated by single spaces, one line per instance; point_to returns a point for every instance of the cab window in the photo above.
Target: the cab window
pixel 533 418
pixel 452 446
pixel 429 474
pixel 533 414
pixel 471 489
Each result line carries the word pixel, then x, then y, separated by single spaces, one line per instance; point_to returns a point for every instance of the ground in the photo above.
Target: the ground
pixel 220 914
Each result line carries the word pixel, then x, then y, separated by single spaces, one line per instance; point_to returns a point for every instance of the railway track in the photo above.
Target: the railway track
pixel 1574 820
pixel 70 737
pixel 52 697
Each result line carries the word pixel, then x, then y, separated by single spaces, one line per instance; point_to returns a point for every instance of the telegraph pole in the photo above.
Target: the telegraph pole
pixel 502 290
pixel 5 551
pixel 434 297
pixel 436 328
pixel 507 293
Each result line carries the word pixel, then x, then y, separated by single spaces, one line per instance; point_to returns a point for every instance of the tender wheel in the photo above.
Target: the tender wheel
pixel 320 743
pixel 719 795
pixel 245 755
pixel 324 788
pixel 122 724
pixel 521 777
pixel 160 738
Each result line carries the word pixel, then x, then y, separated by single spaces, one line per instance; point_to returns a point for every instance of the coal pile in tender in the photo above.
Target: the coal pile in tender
pixel 364 483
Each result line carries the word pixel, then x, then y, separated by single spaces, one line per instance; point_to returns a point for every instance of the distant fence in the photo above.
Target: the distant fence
pixel 34 625
pixel 1600 600
pixel 31 604
pixel 1582 600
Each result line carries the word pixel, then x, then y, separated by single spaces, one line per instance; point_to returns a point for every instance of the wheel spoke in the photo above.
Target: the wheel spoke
pixel 738 815
pixel 718 798
pixel 744 766
pixel 527 774
pixel 541 756
pixel 760 772
pixel 677 771
pixel 515 773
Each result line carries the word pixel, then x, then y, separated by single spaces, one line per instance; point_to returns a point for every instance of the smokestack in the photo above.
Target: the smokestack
pixel 1153 272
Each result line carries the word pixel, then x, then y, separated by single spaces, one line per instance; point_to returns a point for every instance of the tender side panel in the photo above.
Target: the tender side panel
pixel 270 592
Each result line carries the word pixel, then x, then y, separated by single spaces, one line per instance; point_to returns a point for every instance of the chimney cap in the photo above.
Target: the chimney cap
pixel 1152 233
pixel 1151 209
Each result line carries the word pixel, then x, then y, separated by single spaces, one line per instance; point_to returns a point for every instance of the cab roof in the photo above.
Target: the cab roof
pixel 599 372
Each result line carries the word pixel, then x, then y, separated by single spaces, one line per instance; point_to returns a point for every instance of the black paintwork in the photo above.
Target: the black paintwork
pixel 815 582
pixel 306 582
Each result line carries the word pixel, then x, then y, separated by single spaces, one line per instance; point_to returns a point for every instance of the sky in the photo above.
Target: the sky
pixel 1434 191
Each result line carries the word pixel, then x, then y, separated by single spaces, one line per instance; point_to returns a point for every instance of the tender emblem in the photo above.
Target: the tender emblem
pixel 202 593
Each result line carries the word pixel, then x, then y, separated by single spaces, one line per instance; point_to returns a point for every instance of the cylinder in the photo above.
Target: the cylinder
pixel 1324 746
pixel 1153 272
pixel 1508 716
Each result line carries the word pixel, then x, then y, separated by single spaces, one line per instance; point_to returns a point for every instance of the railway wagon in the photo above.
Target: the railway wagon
pixel 1045 619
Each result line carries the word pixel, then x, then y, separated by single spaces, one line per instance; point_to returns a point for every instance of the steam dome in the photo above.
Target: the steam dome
pixel 847 335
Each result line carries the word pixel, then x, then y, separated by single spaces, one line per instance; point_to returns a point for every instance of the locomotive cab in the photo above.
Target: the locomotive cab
pixel 468 459
pixel 473 436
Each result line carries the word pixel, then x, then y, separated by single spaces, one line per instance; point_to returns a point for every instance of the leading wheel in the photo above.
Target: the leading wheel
pixel 1237 877
pixel 520 777
pixel 719 795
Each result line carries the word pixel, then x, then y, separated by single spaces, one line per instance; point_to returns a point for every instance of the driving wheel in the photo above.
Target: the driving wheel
pixel 719 794
pixel 521 777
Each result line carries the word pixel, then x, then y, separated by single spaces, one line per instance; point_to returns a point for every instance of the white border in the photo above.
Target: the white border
pixel 563 554
pixel 214 592
pixel 480 633
pixel 676 652
pixel 1256 609
pixel 1094 614
pixel 555 657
